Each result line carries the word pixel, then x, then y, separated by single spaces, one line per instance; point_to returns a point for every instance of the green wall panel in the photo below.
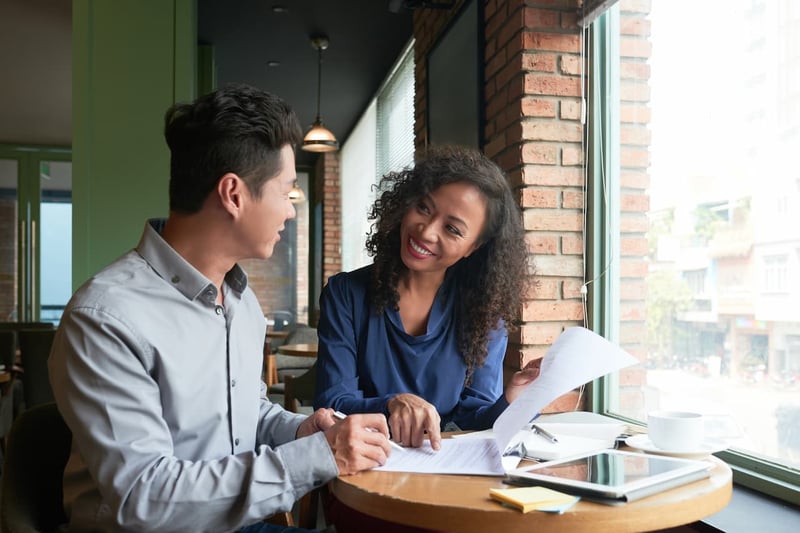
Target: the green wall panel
pixel 132 59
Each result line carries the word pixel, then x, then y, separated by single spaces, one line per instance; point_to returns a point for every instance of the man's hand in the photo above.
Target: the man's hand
pixel 521 379
pixel 410 417
pixel 319 420
pixel 359 442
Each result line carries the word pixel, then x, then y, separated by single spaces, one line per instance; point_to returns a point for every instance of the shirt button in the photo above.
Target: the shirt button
pixel 236 442
pixel 176 279
pixel 218 310
pixel 233 383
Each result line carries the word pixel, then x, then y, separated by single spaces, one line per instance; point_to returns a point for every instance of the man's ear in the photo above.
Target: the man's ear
pixel 231 190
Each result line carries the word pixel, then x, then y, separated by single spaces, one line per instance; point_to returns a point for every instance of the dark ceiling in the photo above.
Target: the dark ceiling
pixel 366 37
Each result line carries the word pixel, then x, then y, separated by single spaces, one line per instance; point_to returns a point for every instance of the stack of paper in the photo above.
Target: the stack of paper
pixel 535 447
pixel 528 499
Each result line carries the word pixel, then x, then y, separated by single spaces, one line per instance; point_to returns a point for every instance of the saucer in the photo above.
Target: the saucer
pixel 643 443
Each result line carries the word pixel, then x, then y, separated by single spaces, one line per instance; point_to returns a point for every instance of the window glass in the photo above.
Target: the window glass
pixel 700 256
pixel 383 140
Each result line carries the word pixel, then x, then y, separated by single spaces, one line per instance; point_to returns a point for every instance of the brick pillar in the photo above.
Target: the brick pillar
pixel 532 92
pixel 328 169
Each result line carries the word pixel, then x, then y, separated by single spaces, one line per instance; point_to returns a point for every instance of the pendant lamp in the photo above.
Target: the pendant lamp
pixel 319 138
pixel 296 195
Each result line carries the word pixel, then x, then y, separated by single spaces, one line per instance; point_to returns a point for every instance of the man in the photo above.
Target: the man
pixel 157 361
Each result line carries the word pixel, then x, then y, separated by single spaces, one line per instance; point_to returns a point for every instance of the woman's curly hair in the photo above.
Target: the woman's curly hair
pixel 492 281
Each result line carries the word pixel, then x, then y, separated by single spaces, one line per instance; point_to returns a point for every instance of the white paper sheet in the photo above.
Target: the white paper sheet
pixel 576 357
pixel 456 456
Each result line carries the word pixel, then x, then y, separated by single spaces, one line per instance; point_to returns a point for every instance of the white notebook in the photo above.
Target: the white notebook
pixel 537 447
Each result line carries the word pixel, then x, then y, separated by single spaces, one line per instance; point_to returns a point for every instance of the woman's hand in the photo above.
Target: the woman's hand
pixel 410 417
pixel 521 379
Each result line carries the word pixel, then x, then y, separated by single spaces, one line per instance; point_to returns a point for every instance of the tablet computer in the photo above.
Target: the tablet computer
pixel 612 475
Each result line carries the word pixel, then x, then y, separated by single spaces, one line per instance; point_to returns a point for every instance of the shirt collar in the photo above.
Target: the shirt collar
pixel 172 267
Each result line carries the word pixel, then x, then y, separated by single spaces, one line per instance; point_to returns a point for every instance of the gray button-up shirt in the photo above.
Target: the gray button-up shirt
pixel 162 389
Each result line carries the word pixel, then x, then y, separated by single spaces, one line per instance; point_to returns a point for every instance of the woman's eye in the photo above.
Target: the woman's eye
pixel 422 207
pixel 455 231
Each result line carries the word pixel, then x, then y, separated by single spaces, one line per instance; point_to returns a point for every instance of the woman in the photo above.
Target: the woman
pixel 420 335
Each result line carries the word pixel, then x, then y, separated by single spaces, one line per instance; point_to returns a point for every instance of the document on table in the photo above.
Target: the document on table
pixel 479 457
pixel 575 358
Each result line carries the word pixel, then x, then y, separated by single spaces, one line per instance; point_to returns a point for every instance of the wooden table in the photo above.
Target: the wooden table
pixel 277 334
pixel 460 503
pixel 308 349
pixel 270 363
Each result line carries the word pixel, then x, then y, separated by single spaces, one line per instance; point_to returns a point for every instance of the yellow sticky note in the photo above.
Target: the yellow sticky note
pixel 528 499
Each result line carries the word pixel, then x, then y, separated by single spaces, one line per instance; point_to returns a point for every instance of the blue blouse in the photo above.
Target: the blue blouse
pixel 365 359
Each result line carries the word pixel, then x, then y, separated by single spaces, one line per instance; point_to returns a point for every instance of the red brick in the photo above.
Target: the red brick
pixel 540 153
pixel 635 47
pixel 571 65
pixel 541 19
pixel 534 175
pixel 539 197
pixel 538 107
pixel 557 42
pixel 571 109
pixel 541 244
pixel 552 220
pixel 542 334
pixel 542 84
pixel 634 157
pixel 571 156
pixel 572 245
pixel 571 289
pixel 551 130
pixel 538 62
pixel 559 265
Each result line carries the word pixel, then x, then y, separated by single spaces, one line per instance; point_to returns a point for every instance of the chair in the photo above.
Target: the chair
pixel 298 395
pixel 34 348
pixel 292 364
pixel 8 355
pixel 281 320
pixel 38 449
pixel 279 365
pixel 16 326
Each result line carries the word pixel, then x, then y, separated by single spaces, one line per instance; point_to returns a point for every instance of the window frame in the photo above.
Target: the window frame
pixel 602 244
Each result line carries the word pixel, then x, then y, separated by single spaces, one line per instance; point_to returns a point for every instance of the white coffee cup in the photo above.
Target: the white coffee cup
pixel 676 431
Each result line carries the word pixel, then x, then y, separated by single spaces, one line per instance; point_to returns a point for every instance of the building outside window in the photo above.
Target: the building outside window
pixel 696 265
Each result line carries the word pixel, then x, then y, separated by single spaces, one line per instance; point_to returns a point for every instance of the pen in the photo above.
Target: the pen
pixel 341 416
pixel 544 434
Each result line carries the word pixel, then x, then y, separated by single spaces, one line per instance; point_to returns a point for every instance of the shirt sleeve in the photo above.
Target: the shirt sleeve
pixel 483 400
pixel 337 384
pixel 113 407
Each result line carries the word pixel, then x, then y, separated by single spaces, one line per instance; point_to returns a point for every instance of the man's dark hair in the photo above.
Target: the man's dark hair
pixel 237 128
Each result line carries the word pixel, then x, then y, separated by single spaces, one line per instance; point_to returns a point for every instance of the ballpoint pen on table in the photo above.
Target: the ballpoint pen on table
pixel 341 416
pixel 544 434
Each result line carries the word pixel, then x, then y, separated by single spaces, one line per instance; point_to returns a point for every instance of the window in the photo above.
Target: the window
pixel 701 126
pixel 383 140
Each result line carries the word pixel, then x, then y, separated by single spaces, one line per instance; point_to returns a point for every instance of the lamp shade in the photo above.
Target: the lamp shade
pixel 320 139
pixel 296 195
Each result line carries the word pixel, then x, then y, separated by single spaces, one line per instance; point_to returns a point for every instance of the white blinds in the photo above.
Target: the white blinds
pixel 395 121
